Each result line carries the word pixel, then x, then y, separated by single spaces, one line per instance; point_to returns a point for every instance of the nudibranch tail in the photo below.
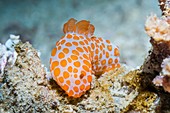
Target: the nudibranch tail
pixel 79 55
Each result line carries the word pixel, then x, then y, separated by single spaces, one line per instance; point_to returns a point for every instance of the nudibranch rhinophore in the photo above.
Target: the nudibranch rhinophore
pixel 79 55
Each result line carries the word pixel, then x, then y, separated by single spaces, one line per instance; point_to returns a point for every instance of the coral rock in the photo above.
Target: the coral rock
pixel 159 31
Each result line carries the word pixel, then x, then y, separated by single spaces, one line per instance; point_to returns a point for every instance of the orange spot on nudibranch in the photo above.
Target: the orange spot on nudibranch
pixel 101 39
pixel 80 49
pixel 96 57
pixel 70 68
pixel 75 43
pixel 85 68
pixel 57 71
pixel 63 41
pixel 103 45
pixel 85 56
pixel 75 89
pixel 83 73
pixel 75 52
pixel 103 62
pixel 77 82
pixel 77 64
pixel 70 93
pixel 86 62
pixel 68 44
pixel 116 60
pixel 110 61
pixel 54 52
pixel 108 41
pixel 69 36
pixel 92 46
pixel 89 78
pixel 81 42
pixel 109 47
pixel 68 82
pixel 100 56
pixel 59 47
pixel 116 52
pixel 76 95
pixel 74 57
pixel 89 48
pixel 61 79
pixel 118 65
pixel 97 51
pixel 66 50
pixel 76 37
pixel 113 66
pixel 97 41
pixel 85 48
pixel 61 55
pixel 63 63
pixel 57 43
pixel 84 81
pixel 104 52
pixel 65 87
pixel 87 87
pixel 75 75
pixel 104 68
pixel 69 60
pixel 75 70
pixel 82 87
pixel 86 41
pixel 54 64
pixel 81 37
pixel 107 54
pixel 66 74
pixel 50 60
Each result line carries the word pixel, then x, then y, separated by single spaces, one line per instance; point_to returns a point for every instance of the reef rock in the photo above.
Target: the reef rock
pixel 25 88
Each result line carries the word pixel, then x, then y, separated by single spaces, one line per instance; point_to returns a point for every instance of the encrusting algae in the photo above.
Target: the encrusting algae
pixel 27 87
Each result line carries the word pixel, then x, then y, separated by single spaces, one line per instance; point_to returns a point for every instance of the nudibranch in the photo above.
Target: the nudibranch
pixel 79 55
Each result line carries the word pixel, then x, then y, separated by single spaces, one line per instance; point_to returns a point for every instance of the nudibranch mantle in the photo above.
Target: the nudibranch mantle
pixel 79 55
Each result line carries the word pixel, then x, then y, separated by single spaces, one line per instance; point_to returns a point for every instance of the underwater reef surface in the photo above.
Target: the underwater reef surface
pixel 25 85
pixel 25 88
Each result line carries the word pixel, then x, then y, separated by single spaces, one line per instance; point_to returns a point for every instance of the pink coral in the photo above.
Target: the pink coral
pixel 164 78
pixel 158 28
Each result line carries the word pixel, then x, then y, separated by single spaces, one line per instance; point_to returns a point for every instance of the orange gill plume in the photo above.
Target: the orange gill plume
pixel 82 27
